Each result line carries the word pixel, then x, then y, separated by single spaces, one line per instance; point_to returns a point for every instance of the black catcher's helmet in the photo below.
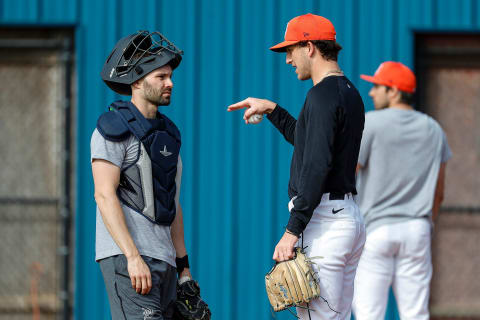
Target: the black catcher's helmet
pixel 135 56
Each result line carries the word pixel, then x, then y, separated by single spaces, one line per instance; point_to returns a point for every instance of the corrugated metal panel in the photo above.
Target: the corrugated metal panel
pixel 57 11
pixel 32 12
pixel 454 14
pixel 235 176
pixel 23 11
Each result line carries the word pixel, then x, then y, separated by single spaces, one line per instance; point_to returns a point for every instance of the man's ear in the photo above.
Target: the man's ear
pixel 137 84
pixel 394 93
pixel 311 48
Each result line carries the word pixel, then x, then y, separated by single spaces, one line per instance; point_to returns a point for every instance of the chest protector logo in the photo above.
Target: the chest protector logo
pixel 148 185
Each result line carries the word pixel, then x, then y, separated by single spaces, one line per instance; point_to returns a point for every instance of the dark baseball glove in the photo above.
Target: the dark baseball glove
pixel 189 304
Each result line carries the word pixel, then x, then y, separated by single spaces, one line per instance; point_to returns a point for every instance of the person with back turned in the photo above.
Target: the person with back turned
pixel 401 177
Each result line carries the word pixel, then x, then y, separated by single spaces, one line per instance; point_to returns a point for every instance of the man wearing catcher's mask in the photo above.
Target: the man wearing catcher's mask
pixel 326 137
pixel 136 165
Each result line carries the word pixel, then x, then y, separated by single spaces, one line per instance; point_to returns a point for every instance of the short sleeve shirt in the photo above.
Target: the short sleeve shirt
pixel 400 155
pixel 151 239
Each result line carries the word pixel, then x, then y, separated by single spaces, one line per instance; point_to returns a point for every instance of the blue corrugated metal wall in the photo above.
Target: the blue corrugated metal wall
pixel 235 177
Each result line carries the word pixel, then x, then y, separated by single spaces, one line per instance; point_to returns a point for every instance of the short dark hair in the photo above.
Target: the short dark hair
pixel 405 97
pixel 329 49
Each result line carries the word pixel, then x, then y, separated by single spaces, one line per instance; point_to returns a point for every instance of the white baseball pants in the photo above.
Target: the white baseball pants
pixel 336 233
pixel 399 255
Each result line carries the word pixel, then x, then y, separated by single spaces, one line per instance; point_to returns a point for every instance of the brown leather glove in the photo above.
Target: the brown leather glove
pixel 292 282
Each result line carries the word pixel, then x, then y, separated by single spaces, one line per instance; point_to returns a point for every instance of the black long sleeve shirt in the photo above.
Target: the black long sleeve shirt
pixel 326 139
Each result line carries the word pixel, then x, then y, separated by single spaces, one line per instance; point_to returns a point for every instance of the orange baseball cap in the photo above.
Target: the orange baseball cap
pixel 306 27
pixel 393 74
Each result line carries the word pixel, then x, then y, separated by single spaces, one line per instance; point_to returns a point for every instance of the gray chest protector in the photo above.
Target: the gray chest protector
pixel 148 185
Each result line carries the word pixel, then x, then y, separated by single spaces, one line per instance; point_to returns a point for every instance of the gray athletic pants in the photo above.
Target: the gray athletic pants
pixel 126 303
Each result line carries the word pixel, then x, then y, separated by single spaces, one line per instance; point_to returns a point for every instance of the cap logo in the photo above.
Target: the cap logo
pixel 306 34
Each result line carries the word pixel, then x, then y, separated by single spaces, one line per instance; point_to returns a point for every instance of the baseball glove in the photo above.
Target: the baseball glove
pixel 291 283
pixel 189 304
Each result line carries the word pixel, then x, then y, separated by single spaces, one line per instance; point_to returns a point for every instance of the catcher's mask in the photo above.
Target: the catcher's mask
pixel 135 56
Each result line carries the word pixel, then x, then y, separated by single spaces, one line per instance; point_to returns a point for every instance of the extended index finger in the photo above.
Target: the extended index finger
pixel 239 105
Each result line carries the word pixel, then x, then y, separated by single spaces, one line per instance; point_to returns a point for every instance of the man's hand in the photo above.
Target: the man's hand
pixel 185 272
pixel 139 275
pixel 106 177
pixel 284 248
pixel 253 106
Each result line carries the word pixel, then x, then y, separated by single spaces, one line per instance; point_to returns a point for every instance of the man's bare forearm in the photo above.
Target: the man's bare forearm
pixel 437 201
pixel 439 191
pixel 114 219
pixel 177 232
pixel 178 240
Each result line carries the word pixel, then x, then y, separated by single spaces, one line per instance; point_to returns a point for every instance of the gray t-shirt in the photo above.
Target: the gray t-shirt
pixel 151 239
pixel 400 155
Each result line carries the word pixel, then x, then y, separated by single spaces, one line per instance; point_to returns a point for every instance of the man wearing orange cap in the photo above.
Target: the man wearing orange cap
pixel 401 174
pixel 324 217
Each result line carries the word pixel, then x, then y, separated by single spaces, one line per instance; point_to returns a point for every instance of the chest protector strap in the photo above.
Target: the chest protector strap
pixel 159 151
